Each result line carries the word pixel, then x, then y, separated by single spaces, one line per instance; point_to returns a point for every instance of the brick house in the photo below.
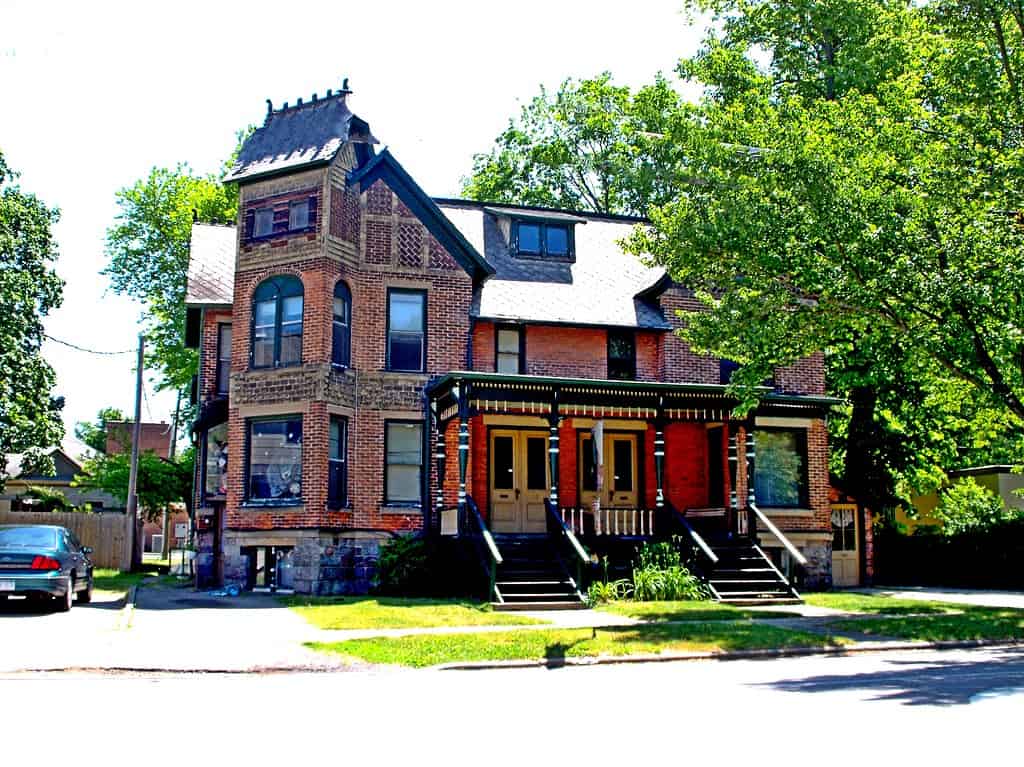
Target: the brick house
pixel 377 362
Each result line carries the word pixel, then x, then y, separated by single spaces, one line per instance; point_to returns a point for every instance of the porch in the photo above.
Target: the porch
pixel 545 477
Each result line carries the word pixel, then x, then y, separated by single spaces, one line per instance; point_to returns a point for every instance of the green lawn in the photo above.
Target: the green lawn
pixel 969 623
pixel 397 613
pixel 684 611
pixel 114 580
pixel 557 644
pixel 877 604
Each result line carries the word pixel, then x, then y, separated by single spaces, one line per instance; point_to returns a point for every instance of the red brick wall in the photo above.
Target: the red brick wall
pixel 678 362
pixel 685 465
pixel 153 438
pixel 212 319
pixel 806 376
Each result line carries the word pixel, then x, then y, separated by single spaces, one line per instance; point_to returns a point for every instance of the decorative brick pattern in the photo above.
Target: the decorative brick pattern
pixel 439 257
pixel 410 245
pixel 379 199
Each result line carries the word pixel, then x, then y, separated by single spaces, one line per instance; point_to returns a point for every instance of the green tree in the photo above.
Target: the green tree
pixel 29 290
pixel 966 506
pixel 161 482
pixel 592 145
pixel 94 434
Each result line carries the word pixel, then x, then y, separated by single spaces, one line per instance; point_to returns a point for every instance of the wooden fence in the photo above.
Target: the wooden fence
pixel 107 534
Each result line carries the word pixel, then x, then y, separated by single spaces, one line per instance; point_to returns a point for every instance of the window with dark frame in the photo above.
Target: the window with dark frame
pixel 403 462
pixel 341 326
pixel 337 490
pixel 508 349
pixel 223 356
pixel 298 215
pixel 622 355
pixel 263 222
pixel 281 217
pixel 277 323
pixel 543 239
pixel 780 468
pixel 407 330
pixel 215 455
pixel 274 460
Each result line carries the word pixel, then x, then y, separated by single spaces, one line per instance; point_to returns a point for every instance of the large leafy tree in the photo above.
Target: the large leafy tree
pixel 592 145
pixel 860 191
pixel 29 290
pixel 94 433
pixel 161 482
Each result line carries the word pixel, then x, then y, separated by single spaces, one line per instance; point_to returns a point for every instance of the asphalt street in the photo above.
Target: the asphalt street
pixel 938 707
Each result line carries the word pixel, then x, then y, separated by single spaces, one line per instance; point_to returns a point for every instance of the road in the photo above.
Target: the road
pixel 934 707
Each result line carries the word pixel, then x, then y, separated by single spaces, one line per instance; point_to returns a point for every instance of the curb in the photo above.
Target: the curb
pixel 769 654
pixel 128 610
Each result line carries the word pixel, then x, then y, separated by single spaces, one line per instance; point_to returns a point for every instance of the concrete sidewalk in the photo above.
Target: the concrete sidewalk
pixel 979 597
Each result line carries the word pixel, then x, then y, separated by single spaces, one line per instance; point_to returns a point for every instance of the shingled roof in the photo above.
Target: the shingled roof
pixel 303 135
pixel 211 265
pixel 603 286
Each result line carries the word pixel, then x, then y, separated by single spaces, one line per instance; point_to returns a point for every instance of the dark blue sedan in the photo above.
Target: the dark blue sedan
pixel 44 561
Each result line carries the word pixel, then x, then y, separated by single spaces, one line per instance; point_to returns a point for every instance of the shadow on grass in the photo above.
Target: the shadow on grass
pixel 932 683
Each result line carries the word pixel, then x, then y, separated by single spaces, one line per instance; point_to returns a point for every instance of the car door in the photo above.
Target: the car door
pixel 74 555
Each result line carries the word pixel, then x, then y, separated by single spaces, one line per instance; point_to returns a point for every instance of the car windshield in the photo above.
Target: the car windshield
pixel 28 537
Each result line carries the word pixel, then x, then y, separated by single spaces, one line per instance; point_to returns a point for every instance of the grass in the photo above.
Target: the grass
pixel 554 645
pixel 398 613
pixel 879 604
pixel 969 622
pixel 684 611
pixel 104 579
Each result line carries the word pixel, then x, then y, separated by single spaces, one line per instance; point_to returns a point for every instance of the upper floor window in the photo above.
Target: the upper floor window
pixel 407 330
pixel 223 356
pixel 298 215
pixel 622 355
pixel 341 326
pixel 780 468
pixel 281 216
pixel 264 222
pixel 277 322
pixel 542 239
pixel 509 352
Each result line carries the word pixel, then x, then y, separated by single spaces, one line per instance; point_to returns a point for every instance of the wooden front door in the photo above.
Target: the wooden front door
pixel 845 555
pixel 621 485
pixel 519 480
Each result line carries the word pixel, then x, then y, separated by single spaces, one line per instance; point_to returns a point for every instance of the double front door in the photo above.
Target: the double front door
pixel 519 481
pixel 619 485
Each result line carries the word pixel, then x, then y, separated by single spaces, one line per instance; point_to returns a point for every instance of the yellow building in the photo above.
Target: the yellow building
pixel 1000 479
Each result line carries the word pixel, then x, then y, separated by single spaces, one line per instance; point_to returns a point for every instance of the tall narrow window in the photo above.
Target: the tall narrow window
pixel 407 325
pixel 403 456
pixel 275 460
pixel 337 491
pixel 277 323
pixel 780 468
pixel 341 327
pixel 223 356
pixel 622 355
pixel 216 457
pixel 298 215
pixel 264 222
pixel 509 350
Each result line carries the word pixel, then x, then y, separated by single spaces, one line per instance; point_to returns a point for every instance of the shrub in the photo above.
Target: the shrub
pixel 403 567
pixel 659 574
pixel 605 591
pixel 966 506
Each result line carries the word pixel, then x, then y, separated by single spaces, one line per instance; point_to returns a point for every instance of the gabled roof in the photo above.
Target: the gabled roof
pixel 384 166
pixel 67 456
pixel 304 135
pixel 602 286
pixel 211 265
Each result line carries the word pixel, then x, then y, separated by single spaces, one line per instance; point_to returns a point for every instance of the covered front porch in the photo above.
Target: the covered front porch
pixel 594 468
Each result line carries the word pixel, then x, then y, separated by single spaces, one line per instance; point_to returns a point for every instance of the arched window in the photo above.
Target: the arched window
pixel 341 328
pixel 277 322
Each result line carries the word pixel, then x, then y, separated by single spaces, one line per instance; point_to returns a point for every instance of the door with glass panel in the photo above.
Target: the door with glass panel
pixel 845 556
pixel 519 480
pixel 619 486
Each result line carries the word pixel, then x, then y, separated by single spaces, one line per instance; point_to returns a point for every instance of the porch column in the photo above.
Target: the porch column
pixel 659 456
pixel 553 423
pixel 462 395
pixel 751 500
pixel 439 457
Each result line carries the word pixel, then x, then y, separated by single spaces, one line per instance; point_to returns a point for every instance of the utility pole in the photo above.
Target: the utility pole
pixel 171 452
pixel 133 475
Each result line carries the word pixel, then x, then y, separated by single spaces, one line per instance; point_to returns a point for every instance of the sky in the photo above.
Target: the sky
pixel 93 95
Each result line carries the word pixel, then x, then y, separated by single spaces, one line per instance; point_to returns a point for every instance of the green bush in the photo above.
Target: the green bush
pixel 608 591
pixel 966 506
pixel 659 574
pixel 403 567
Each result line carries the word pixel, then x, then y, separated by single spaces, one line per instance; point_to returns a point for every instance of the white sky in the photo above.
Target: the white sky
pixel 94 94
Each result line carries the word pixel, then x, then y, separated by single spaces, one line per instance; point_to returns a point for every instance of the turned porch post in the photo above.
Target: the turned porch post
pixel 659 455
pixel 733 470
pixel 462 395
pixel 751 499
pixel 439 457
pixel 553 420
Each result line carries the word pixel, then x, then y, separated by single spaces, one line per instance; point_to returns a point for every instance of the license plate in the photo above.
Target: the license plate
pixel 6 585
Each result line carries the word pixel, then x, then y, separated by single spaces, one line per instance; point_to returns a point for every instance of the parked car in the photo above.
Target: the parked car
pixel 44 561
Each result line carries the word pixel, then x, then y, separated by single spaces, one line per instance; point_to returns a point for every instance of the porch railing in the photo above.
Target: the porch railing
pixel 610 521
pixel 567 545
pixel 487 552
pixel 794 552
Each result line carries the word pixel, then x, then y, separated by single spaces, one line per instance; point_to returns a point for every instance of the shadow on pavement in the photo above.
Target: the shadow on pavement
pixel 14 607
pixel 163 598
pixel 925 683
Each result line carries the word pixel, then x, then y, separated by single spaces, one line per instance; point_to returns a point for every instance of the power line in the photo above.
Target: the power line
pixel 76 347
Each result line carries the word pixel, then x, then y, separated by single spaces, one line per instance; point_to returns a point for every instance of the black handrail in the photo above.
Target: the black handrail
pixel 694 536
pixel 564 538
pixel 487 551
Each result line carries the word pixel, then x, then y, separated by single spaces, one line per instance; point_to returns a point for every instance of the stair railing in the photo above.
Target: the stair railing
pixel 701 545
pixel 565 542
pixel 794 552
pixel 487 552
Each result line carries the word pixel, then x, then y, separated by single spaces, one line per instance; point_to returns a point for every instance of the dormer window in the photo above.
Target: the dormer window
pixel 542 239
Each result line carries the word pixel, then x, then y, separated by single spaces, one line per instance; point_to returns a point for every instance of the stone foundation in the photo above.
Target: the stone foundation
pixel 323 563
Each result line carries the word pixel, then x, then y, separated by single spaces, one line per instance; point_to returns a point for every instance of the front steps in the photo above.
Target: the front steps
pixel 531 577
pixel 744 575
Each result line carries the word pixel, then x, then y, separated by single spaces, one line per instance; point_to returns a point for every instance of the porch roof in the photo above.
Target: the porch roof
pixel 520 388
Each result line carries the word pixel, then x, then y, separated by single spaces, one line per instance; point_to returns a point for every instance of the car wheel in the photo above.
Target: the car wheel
pixel 64 602
pixel 85 596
